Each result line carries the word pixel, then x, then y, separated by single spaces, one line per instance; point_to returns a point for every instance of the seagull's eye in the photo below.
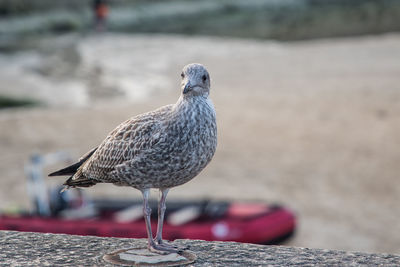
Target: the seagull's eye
pixel 204 78
pixel 182 75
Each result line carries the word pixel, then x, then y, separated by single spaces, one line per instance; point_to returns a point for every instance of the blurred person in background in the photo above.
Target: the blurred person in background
pixel 100 9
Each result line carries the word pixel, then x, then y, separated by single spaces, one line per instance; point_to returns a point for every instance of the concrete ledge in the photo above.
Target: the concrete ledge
pixel 35 249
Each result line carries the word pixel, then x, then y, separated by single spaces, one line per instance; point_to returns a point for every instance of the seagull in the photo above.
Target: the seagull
pixel 159 149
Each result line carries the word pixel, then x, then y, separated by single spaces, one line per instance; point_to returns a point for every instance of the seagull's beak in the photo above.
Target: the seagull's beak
pixel 187 88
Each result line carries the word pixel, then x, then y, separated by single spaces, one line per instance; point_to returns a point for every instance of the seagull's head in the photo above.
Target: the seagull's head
pixel 195 80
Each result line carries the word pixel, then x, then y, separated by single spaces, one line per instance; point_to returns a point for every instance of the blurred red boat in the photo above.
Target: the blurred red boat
pixel 71 212
pixel 206 220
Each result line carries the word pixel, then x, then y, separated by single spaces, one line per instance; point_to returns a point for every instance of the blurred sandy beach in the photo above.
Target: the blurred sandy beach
pixel 314 125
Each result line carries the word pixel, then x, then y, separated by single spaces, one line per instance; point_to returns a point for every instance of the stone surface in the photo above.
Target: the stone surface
pixel 144 257
pixel 36 249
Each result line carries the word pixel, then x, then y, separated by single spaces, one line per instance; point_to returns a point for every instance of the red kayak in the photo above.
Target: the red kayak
pixel 257 223
pixel 73 212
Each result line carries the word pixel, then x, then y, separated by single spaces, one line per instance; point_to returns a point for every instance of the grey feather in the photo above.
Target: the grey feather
pixel 159 149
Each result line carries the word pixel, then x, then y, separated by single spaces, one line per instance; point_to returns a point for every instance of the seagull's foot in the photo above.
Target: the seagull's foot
pixel 164 248
pixel 166 244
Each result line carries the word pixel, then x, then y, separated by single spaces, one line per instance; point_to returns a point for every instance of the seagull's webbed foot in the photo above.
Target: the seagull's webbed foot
pixel 167 244
pixel 164 248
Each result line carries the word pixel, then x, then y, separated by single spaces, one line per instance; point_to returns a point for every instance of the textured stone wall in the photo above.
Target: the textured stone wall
pixel 36 249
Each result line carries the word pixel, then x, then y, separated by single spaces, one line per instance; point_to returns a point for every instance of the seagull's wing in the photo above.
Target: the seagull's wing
pixel 123 144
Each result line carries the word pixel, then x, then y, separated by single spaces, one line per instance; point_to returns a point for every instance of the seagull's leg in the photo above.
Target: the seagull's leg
pixel 147 213
pixel 161 212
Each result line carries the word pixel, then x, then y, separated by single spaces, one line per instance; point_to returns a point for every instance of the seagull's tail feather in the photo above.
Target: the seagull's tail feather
pixel 72 169
pixel 77 178
pixel 79 182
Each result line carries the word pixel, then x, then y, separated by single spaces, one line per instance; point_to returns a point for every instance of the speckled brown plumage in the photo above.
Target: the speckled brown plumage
pixel 161 149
